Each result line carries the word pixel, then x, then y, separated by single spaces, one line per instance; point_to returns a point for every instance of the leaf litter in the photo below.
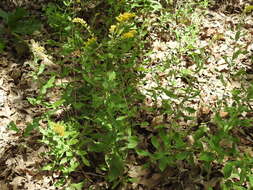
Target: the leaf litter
pixel 215 81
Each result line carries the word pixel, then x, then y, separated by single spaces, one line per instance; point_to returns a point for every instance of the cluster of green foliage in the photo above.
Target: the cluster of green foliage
pixel 103 54
pixel 16 24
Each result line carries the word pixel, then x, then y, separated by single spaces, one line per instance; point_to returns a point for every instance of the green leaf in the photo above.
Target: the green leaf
pixel 190 110
pixel 120 118
pixel 69 154
pixel 142 152
pixel 13 126
pixel 250 177
pixel 98 147
pixel 48 167
pixel 59 183
pixel 111 76
pixel 30 127
pixel 155 142
pixel 186 72
pixel 64 160
pixel 85 161
pixel 238 187
pixel 2 46
pixel 236 54
pixel 116 166
pixel 163 163
pixel 158 155
pixel 78 105
pixel 75 186
pixel 41 69
pixel 26 26
pixel 207 156
pixel 58 103
pixel 179 141
pixel 49 84
pixel 144 124
pixel 165 138
pixel 182 155
pixel 33 101
pixel 87 79
pixel 133 142
pixel 73 165
pixel 237 35
pixel 170 93
pixel 199 133
pixel 73 142
pixel 4 15
pixel 15 16
pixel 227 170
pixel 250 92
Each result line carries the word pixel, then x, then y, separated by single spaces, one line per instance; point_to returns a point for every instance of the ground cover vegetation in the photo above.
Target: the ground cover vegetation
pixel 138 94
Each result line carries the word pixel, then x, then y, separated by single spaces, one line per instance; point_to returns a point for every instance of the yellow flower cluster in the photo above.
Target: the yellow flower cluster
pixel 83 23
pixel 248 8
pixel 36 47
pixel 125 16
pixel 129 34
pixel 59 129
pixel 116 29
pixel 90 41
pixel 39 49
pixel 80 21
pixel 112 28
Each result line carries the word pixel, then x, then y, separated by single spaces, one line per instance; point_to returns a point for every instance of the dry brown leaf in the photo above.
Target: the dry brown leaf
pixel 17 182
pixel 226 143
pixel 152 181
pixel 3 185
pixel 190 139
pixel 212 183
pixel 138 172
pixel 223 114
pixel 247 150
pixel 158 120
pixel 205 110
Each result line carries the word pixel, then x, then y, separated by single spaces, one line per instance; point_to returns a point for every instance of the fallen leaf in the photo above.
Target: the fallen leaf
pixel 205 110
pixel 3 185
pixel 223 114
pixel 190 139
pixel 158 120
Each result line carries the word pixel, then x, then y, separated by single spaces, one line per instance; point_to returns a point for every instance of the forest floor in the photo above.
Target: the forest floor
pixel 20 159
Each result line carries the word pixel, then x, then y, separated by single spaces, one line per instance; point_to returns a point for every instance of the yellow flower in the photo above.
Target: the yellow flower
pixel 91 41
pixel 80 20
pixel 39 49
pixel 248 8
pixel 36 47
pixel 129 34
pixel 59 129
pixel 125 16
pixel 112 28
